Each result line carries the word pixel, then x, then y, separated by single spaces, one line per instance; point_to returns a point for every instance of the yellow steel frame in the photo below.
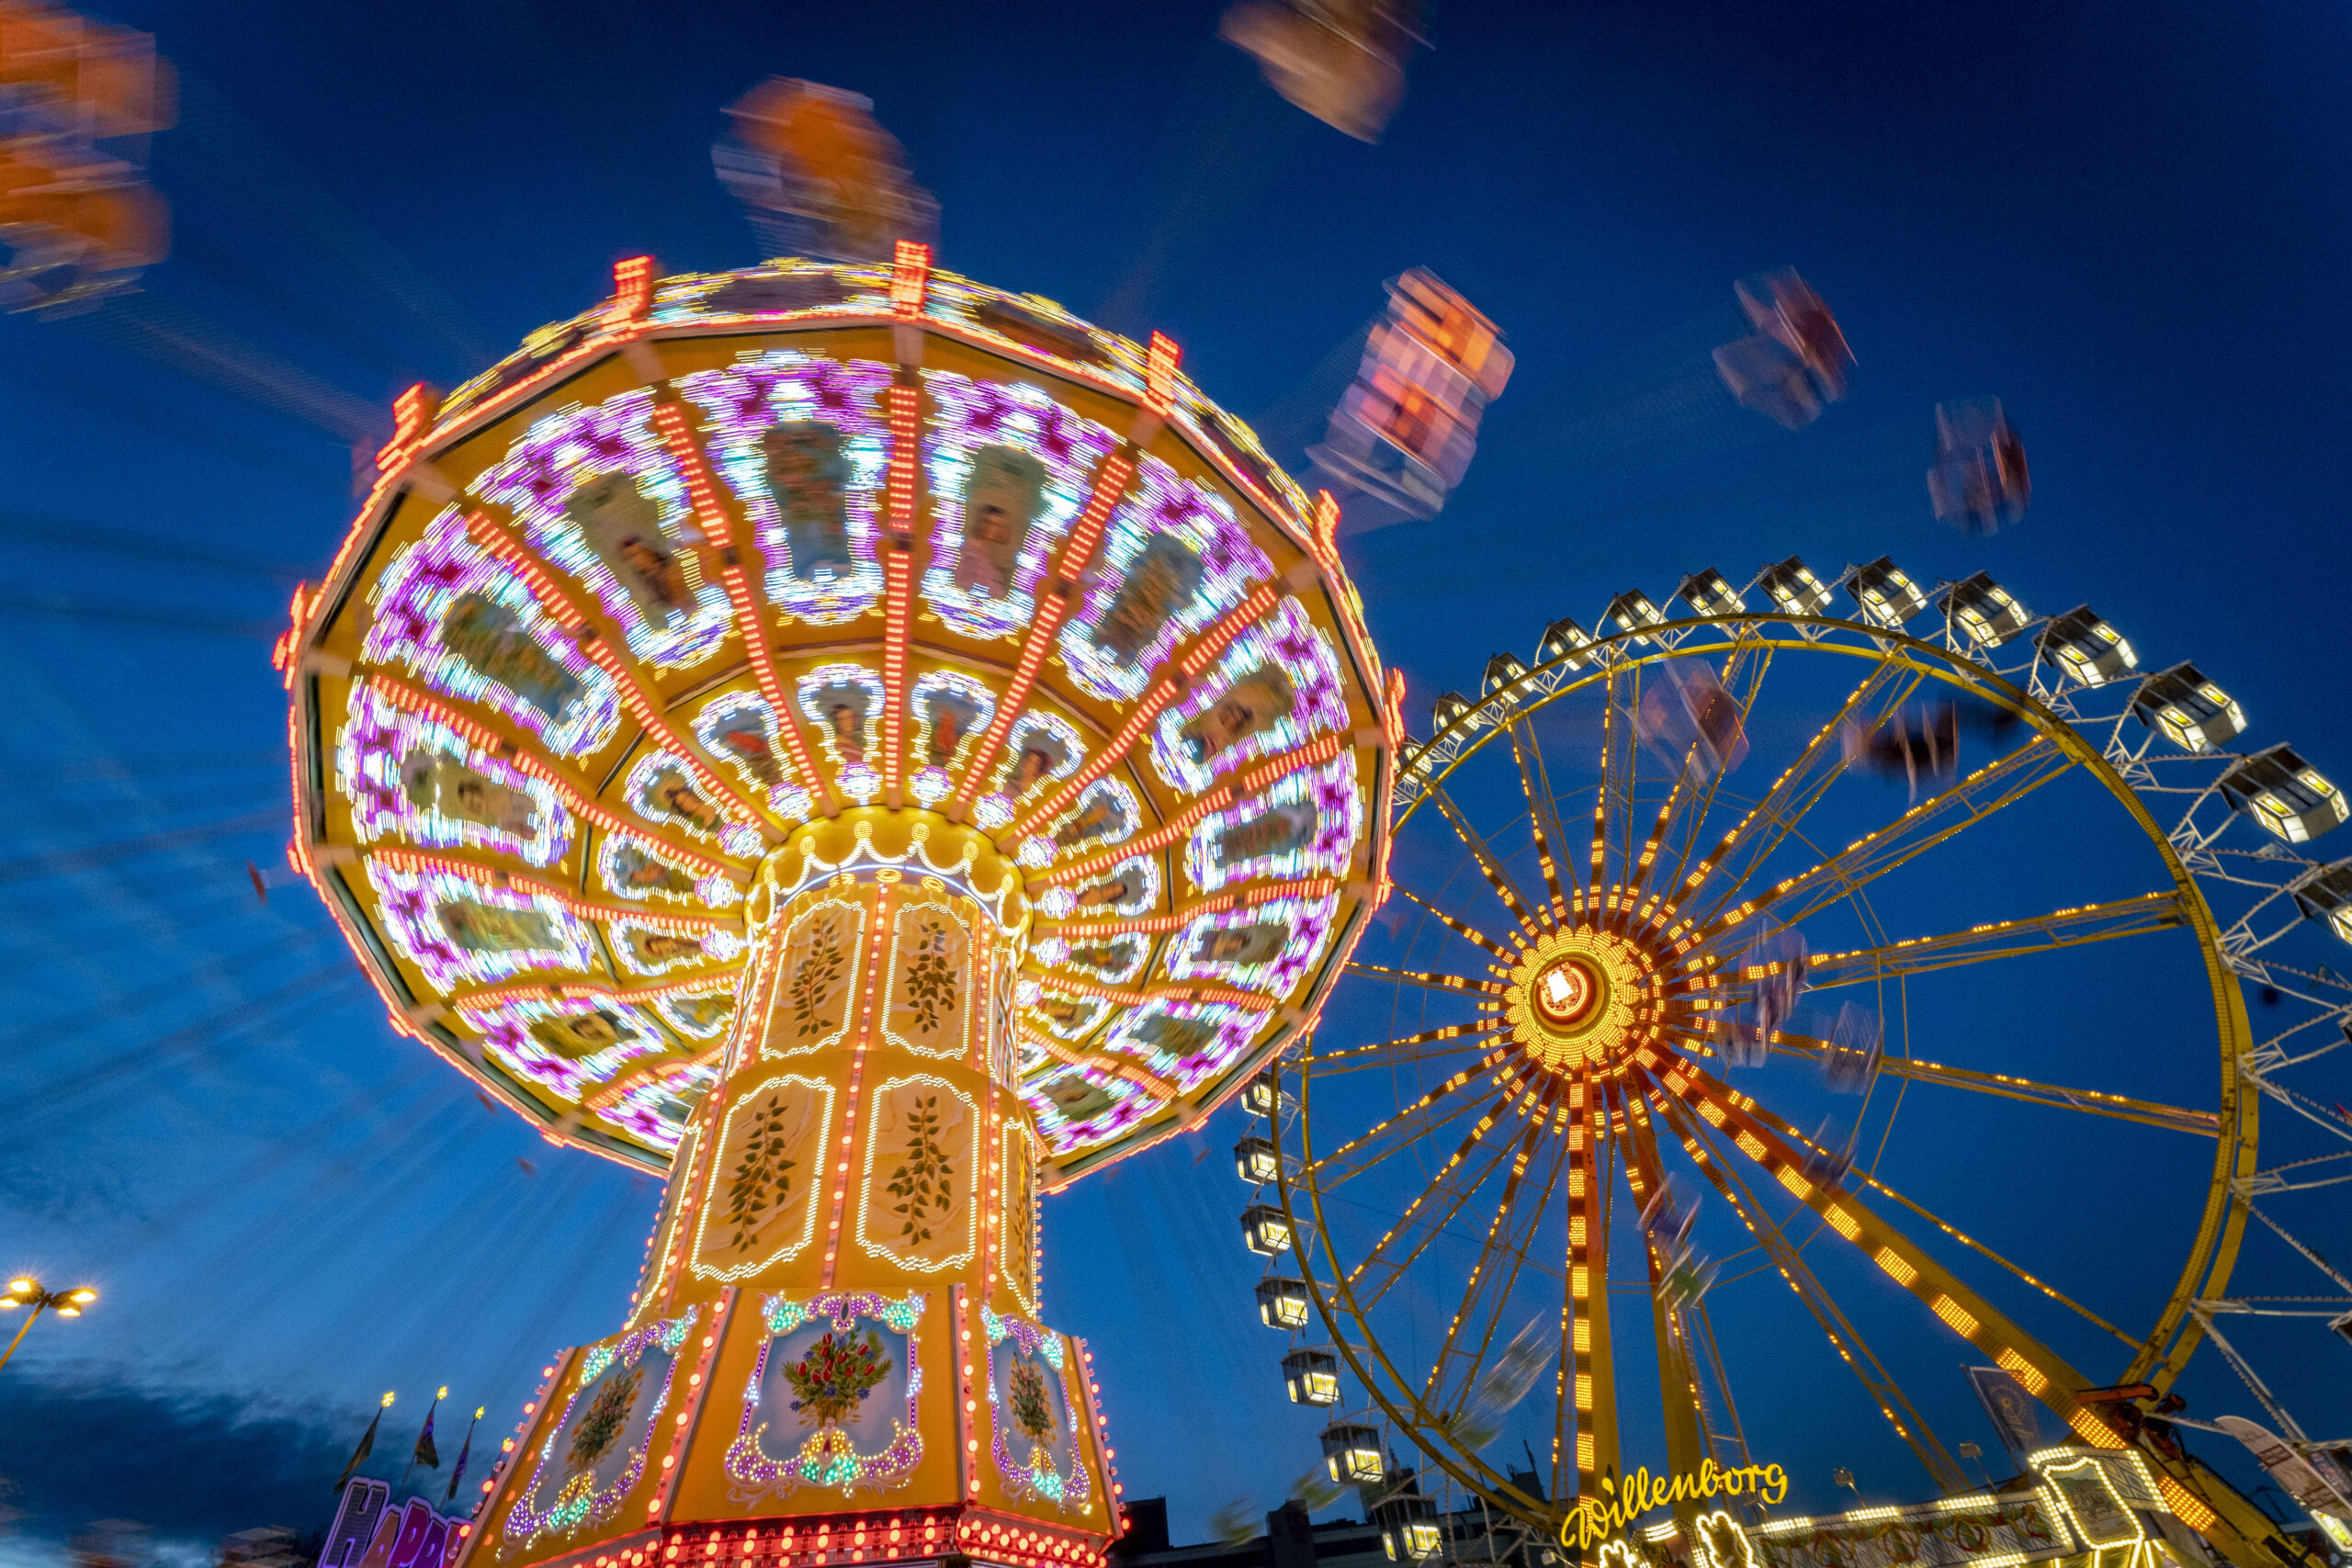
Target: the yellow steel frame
pixel 1712 1122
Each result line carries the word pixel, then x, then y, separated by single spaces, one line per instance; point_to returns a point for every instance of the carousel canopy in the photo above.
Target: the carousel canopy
pixel 735 553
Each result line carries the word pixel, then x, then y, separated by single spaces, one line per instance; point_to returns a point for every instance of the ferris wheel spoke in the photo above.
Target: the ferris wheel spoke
pixel 1461 928
pixel 1943 816
pixel 1846 1340
pixel 1681 1401
pixel 2087 1101
pixel 1440 1108
pixel 1800 786
pixel 1431 1211
pixel 2001 939
pixel 1495 1277
pixel 1429 1045
pixel 1621 808
pixel 1638 875
pixel 1542 810
pixel 1431 980
pixel 1605 794
pixel 1785 1130
pixel 1496 877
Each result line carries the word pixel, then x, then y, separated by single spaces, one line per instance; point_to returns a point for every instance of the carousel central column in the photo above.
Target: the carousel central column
pixel 835 1355
pixel 865 1136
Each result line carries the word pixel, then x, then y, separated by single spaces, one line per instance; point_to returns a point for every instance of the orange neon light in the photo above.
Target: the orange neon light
pixel 550 598
pixel 1118 1066
pixel 412 413
pixel 1196 659
pixel 702 491
pixel 1110 484
pixel 1179 991
pixel 910 278
pixel 653 724
pixel 1313 887
pixel 632 290
pixel 570 990
pixel 1159 373
pixel 407 698
pixel 1326 528
pixel 1217 799
pixel 565 613
pixel 904 404
pixel 500 877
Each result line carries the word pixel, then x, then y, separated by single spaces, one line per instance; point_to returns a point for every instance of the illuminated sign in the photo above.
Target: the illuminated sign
pixel 1980 1530
pixel 1597 1518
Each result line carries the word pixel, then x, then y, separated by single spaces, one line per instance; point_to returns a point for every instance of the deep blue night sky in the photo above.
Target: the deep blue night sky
pixel 2133 224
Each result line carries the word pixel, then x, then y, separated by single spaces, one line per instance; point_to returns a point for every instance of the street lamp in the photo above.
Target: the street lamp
pixel 25 1291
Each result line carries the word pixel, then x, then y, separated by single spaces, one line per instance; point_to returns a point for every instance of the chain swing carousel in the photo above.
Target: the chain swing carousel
pixel 876 749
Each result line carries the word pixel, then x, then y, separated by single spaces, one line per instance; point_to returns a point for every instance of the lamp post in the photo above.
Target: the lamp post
pixel 25 1291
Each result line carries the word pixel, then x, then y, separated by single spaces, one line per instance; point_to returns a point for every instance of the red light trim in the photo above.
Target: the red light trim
pixel 1110 484
pixel 703 493
pixel 1326 528
pixel 904 404
pixel 568 990
pixel 808 1541
pixel 1117 1066
pixel 550 598
pixel 632 290
pixel 1159 373
pixel 502 878
pixel 1312 887
pixel 991 1186
pixel 702 490
pixel 1196 659
pixel 1177 990
pixel 1321 751
pixel 565 613
pixel 412 413
pixel 652 723
pixel 297 855
pixel 284 655
pixel 910 278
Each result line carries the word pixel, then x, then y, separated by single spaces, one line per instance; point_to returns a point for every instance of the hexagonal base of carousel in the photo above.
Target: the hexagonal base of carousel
pixel 805 1430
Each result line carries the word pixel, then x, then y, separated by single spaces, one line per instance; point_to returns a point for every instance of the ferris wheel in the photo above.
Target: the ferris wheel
pixel 1891 942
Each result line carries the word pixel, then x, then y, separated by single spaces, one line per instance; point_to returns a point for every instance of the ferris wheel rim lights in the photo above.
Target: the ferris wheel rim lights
pixel 2054 695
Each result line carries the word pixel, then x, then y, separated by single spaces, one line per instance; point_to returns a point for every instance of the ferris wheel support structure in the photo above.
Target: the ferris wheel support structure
pixel 1654 919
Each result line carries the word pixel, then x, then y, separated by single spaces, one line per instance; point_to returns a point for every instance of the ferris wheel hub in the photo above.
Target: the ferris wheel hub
pixel 1579 996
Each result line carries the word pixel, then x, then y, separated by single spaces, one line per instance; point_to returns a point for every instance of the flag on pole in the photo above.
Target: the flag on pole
pixel 426 1454
pixel 366 1445
pixel 464 1448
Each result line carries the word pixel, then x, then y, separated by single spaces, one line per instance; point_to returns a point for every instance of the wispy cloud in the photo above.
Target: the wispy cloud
pixel 192 1463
